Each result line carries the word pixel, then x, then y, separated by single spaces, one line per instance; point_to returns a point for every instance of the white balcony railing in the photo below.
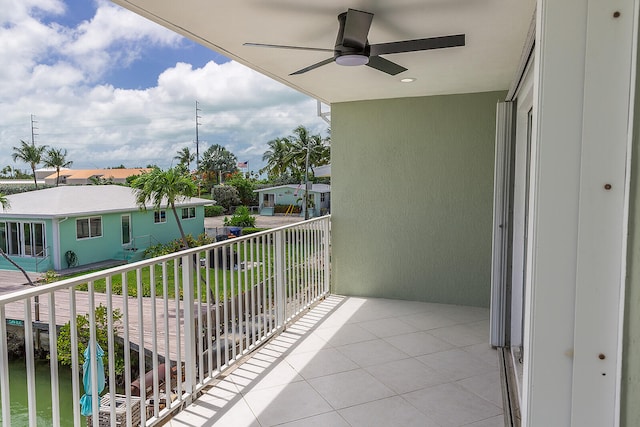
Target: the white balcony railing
pixel 189 316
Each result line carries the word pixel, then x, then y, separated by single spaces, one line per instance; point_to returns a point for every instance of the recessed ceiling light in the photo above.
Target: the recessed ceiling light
pixel 408 80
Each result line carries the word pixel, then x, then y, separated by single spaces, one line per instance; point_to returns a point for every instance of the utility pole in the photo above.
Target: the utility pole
pixel 197 138
pixel 33 128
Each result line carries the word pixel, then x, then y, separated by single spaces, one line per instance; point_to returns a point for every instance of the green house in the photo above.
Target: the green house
pixel 291 196
pixel 58 227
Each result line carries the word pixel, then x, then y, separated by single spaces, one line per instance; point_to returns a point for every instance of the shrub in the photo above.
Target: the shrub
pixel 245 187
pixel 215 210
pixel 176 245
pixel 102 336
pixel 251 230
pixel 241 218
pixel 225 196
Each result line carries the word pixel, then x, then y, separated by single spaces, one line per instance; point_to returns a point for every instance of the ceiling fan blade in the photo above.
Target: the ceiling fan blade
pixel 356 28
pixel 280 46
pixel 385 65
pixel 419 44
pixel 312 67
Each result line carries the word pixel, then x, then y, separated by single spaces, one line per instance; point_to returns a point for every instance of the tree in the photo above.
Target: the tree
pixel 302 143
pixel 185 157
pixel 289 155
pixel 245 187
pixel 218 160
pixel 30 154
pixel 275 157
pixel 163 189
pixel 225 196
pixel 7 171
pixel 57 158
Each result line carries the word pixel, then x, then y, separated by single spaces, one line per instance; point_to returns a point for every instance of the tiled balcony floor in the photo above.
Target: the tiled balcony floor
pixel 364 362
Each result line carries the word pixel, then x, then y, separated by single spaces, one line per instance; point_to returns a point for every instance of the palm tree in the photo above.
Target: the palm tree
pixel 185 157
pixel 218 159
pixel 57 158
pixel 4 202
pixel 275 157
pixel 301 145
pixel 30 154
pixel 164 188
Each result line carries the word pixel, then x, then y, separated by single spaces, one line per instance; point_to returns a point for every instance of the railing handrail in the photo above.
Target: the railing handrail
pixel 198 318
pixel 68 283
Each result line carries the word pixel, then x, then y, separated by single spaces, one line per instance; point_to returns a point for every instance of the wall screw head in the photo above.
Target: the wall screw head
pixel 601 356
pixel 616 14
pixel 607 186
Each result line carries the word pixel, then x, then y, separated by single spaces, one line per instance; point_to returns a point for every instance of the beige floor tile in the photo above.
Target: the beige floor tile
pixel 419 343
pixel 319 363
pixel 350 388
pixel 392 411
pixel 486 386
pixel 346 334
pixel 285 403
pixel 388 327
pixel 456 364
pixel 451 406
pixel 374 352
pixel 404 376
pixel 329 419
pixel 459 335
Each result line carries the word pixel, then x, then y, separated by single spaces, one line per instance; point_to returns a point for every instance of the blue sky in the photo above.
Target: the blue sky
pixel 113 88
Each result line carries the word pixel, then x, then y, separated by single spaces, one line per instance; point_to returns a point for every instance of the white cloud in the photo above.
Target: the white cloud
pixel 102 125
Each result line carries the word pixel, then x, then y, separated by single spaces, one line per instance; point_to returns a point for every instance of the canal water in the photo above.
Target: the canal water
pixel 19 401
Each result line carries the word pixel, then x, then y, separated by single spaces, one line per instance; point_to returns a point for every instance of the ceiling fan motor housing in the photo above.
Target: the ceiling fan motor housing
pixel 349 52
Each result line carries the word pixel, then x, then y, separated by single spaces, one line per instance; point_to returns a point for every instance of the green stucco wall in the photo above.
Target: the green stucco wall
pixel 412 194
pixel 109 245
pixel 32 263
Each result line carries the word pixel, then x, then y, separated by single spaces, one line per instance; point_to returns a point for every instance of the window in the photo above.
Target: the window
pixel 126 229
pixel 87 228
pixel 322 197
pixel 23 238
pixel 188 213
pixel 160 217
pixel 268 200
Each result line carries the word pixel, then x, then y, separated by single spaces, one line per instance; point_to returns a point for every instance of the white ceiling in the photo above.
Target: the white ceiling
pixel 495 34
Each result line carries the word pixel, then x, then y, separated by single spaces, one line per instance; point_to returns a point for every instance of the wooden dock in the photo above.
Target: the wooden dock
pixel 139 321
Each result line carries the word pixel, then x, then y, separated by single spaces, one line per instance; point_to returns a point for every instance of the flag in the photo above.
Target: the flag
pixel 243 164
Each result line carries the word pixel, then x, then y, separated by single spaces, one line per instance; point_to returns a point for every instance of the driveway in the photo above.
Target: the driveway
pixel 261 221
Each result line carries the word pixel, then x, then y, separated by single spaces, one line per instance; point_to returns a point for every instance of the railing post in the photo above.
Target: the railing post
pixel 189 325
pixel 279 276
pixel 4 370
pixel 326 242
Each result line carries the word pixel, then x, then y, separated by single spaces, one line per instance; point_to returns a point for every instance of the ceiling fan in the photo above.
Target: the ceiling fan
pixel 352 47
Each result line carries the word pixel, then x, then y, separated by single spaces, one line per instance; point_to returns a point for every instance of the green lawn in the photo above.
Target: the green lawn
pixel 241 278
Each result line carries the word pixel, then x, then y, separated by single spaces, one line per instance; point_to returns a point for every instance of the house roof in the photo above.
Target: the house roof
pixel 495 32
pixel 316 188
pixel 321 171
pixel 81 200
pixel 103 173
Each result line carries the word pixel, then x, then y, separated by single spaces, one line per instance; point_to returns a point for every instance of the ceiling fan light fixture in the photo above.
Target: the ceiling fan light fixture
pixel 352 60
